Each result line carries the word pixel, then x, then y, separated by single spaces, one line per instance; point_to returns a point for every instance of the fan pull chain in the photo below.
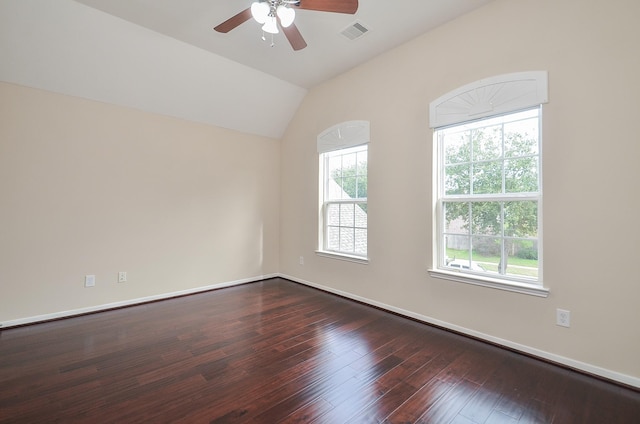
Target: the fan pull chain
pixel 265 39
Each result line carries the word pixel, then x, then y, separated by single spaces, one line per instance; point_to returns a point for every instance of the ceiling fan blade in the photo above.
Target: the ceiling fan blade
pixel 295 38
pixel 337 6
pixel 234 21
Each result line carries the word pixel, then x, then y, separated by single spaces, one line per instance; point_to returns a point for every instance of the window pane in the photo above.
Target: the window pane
pixel 487 177
pixel 486 218
pixel 349 161
pixel 457 217
pixel 333 238
pixel 457 180
pixel 347 218
pixel 334 189
pixel 521 138
pixel 521 219
pixel 523 258
pixel 457 247
pixel 362 163
pixel 487 143
pixel 486 252
pixel 457 147
pixel 521 175
pixel 333 214
pixel 361 242
pixel 361 216
pixel 335 166
pixel 521 272
pixel 346 239
pixel 348 184
pixel 361 191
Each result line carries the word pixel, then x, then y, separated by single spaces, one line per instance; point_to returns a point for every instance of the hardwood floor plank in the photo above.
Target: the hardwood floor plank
pixel 446 408
pixel 537 412
pixel 480 406
pixel 276 351
pixel 308 412
pixel 433 368
pixel 418 403
pixel 382 406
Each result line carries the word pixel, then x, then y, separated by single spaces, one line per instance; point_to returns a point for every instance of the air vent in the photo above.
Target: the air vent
pixel 355 31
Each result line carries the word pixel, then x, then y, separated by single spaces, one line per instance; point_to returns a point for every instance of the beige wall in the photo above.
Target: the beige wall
pixel 90 188
pixel 591 177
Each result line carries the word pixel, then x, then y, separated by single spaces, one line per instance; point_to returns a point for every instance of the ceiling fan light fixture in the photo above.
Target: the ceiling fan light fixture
pixel 286 15
pixel 260 11
pixel 270 26
pixel 274 15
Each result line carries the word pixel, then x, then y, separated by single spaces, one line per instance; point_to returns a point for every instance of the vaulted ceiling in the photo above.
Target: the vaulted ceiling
pixel 163 56
pixel 328 53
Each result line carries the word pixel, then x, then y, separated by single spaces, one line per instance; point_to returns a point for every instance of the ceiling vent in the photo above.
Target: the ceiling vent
pixel 354 31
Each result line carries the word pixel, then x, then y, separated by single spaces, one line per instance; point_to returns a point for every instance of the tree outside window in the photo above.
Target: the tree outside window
pixel 490 195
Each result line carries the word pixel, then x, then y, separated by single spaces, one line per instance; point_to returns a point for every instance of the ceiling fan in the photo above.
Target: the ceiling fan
pixel 281 13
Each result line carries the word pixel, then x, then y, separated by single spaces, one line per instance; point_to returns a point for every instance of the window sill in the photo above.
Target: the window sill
pixel 343 257
pixel 494 283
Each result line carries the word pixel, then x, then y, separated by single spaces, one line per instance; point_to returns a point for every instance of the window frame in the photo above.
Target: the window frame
pixel 493 97
pixel 345 138
pixel 328 202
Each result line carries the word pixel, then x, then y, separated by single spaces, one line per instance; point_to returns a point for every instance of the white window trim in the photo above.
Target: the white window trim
pixel 497 95
pixel 343 256
pixel 341 136
pixel 494 283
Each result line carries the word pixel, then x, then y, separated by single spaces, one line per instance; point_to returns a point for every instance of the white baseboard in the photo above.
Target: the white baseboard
pixel 568 362
pixel 131 302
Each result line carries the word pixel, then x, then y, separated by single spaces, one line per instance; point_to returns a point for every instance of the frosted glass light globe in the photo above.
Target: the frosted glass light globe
pixel 286 15
pixel 270 26
pixel 260 11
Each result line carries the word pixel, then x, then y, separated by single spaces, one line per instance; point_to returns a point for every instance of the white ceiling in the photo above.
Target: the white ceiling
pixel 328 53
pixel 163 56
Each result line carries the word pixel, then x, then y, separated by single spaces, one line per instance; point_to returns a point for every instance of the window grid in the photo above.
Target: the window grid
pixel 345 201
pixel 461 180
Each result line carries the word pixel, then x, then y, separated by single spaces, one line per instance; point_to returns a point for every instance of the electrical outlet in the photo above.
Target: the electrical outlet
pixel 122 277
pixel 301 260
pixel 89 280
pixel 563 318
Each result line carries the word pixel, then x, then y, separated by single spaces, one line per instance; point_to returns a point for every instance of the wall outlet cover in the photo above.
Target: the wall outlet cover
pixel 563 318
pixel 89 280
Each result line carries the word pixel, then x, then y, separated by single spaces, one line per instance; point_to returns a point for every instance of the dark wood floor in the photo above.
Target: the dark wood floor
pixel 276 352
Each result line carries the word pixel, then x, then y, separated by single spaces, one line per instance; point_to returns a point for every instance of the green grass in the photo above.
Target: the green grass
pixel 490 263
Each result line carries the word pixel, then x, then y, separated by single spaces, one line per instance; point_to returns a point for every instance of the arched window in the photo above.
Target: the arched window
pixel 487 168
pixel 343 151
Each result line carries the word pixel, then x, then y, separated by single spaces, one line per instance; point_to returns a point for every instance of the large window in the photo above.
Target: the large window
pixel 343 175
pixel 488 194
